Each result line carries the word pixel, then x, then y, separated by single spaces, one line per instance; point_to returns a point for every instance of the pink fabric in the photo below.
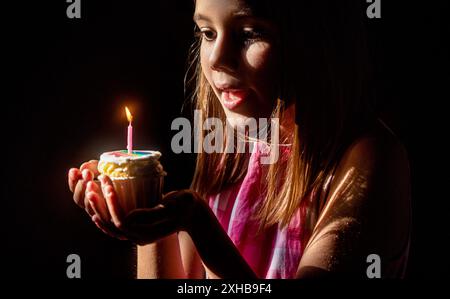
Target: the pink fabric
pixel 275 252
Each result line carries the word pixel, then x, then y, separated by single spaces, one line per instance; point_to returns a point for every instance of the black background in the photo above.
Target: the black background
pixel 66 82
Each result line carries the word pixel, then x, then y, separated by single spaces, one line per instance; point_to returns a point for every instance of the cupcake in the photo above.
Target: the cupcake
pixel 137 177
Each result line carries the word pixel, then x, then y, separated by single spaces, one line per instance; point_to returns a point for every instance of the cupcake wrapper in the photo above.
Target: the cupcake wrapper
pixel 138 193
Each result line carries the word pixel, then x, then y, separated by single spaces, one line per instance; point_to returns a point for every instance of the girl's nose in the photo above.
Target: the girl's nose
pixel 225 56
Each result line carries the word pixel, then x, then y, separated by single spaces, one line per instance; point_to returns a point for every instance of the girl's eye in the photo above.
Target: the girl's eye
pixel 251 35
pixel 208 34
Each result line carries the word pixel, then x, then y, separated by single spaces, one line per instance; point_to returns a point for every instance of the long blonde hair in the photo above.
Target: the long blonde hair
pixel 325 75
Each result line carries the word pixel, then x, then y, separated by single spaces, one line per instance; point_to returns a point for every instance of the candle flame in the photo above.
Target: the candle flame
pixel 129 116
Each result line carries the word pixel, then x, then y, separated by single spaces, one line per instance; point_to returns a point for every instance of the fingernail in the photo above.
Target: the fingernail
pixel 85 174
pixel 95 218
pixel 73 172
pixel 109 190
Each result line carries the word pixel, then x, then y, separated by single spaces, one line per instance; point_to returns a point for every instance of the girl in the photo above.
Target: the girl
pixel 339 191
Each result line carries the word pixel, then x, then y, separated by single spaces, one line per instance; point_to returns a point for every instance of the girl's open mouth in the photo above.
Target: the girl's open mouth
pixel 233 98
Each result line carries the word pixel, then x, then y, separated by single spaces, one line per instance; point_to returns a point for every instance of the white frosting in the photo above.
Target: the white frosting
pixel 120 164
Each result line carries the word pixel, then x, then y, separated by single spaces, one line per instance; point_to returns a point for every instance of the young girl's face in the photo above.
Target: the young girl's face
pixel 237 57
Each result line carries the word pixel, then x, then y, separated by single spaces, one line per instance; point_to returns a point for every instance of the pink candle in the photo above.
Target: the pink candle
pixel 130 131
pixel 130 139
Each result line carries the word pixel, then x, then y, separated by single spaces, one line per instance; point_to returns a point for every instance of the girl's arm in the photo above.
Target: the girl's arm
pixel 171 257
pixel 181 257
pixel 216 250
pixel 202 239
pixel 174 256
pixel 160 259
pixel 181 210
pixel 192 262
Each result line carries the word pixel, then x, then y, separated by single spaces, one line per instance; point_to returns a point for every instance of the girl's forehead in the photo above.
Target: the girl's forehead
pixel 236 10
pixel 212 6
pixel 257 8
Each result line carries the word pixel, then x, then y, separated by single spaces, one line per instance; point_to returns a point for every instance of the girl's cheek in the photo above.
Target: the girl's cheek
pixel 258 56
pixel 260 59
pixel 204 61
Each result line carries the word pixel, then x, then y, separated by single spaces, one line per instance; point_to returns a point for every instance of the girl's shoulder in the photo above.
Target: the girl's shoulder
pixel 376 151
pixel 369 198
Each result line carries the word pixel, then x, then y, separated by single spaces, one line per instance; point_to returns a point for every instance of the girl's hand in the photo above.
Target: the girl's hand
pixel 142 226
pixel 78 179
pixel 180 210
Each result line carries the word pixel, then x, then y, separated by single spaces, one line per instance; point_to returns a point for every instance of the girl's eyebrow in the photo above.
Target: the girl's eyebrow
pixel 243 13
pixel 200 17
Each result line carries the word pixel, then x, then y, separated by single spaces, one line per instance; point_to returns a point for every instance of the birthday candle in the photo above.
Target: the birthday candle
pixel 130 131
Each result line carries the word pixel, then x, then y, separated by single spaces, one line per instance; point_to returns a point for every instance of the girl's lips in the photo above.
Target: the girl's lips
pixel 233 98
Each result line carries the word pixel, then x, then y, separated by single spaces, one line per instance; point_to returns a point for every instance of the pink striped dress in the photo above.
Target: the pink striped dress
pixel 274 253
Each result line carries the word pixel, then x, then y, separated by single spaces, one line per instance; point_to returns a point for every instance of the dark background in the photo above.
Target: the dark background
pixel 67 81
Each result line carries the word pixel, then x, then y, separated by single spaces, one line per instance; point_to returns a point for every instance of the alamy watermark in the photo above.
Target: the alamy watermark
pixel 374 9
pixel 248 132
pixel 73 11
pixel 74 268
pixel 374 268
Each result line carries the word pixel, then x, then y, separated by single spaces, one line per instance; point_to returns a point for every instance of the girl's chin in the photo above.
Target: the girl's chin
pixel 238 120
pixel 240 116
pixel 235 120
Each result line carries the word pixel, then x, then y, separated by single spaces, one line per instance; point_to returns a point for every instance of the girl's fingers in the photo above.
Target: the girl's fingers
pixel 78 193
pixel 108 229
pixel 73 177
pixel 148 233
pixel 97 201
pixel 91 200
pixel 88 206
pixel 87 175
pixel 141 217
pixel 110 196
pixel 92 166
